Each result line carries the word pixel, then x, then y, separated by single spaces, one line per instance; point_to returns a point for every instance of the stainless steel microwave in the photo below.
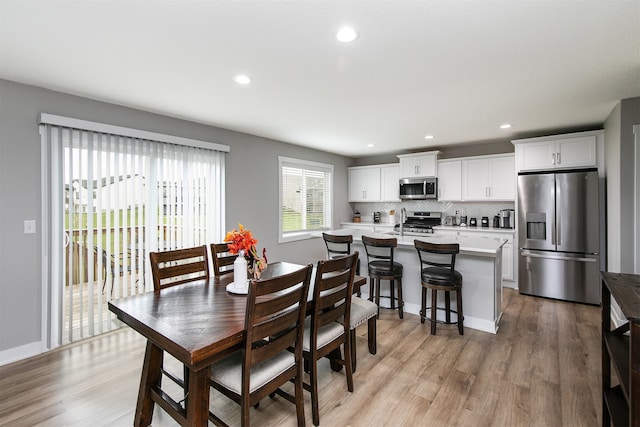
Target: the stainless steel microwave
pixel 418 188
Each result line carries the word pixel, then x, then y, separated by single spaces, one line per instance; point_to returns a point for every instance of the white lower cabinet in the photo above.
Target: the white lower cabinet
pixel 508 254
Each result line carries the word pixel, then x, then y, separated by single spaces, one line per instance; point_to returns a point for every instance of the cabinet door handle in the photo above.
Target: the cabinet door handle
pixel 558 158
pixel 553 159
pixel 364 194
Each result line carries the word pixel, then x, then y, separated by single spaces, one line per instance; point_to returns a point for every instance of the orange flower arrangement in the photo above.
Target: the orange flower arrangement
pixel 242 240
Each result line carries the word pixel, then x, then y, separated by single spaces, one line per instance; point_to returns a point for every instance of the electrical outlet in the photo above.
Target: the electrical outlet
pixel 29 226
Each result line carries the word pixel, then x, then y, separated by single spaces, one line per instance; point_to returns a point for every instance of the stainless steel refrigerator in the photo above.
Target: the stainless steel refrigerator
pixel 558 235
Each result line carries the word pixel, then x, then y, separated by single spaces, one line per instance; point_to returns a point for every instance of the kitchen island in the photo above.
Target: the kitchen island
pixel 479 262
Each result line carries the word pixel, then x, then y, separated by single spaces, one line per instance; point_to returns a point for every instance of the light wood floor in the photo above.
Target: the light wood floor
pixel 541 369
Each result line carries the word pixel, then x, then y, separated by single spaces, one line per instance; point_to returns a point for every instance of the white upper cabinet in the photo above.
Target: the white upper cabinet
pixel 389 183
pixel 489 178
pixel 364 184
pixel 450 180
pixel 556 152
pixel 418 164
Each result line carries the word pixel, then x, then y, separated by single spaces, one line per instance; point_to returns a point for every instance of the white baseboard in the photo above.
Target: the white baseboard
pixel 19 353
pixel 470 322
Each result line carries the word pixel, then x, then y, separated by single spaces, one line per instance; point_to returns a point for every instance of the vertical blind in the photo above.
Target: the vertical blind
pixel 113 199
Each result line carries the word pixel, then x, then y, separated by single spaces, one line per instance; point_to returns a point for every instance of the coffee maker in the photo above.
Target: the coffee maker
pixel 507 218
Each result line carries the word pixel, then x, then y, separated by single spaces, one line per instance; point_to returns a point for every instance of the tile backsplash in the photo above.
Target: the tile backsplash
pixel 472 209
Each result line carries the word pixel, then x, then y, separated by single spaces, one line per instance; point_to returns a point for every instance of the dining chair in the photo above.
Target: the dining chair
pixel 115 265
pixel 222 259
pixel 171 268
pixel 274 323
pixel 329 325
pixel 176 267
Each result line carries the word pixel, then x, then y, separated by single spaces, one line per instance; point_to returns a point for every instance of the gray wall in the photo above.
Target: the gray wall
pixel 619 154
pixel 251 191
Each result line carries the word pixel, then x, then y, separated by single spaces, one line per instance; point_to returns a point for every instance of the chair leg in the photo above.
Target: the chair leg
pixel 423 312
pixel 400 300
pixel 353 348
pixel 434 305
pixel 392 293
pixel 447 306
pixel 460 316
pixel 313 378
pixel 347 362
pixel 378 295
pixel 299 397
pixel 373 347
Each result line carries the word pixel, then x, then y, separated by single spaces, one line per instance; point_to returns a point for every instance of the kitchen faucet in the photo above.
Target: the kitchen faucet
pixel 403 218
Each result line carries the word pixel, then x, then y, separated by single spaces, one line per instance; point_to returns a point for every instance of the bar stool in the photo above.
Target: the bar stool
pixel 383 267
pixel 339 245
pixel 438 275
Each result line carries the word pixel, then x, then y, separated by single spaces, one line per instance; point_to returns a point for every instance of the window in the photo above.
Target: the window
pixel 306 198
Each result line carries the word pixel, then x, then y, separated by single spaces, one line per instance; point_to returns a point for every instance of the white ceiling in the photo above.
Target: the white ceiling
pixel 454 69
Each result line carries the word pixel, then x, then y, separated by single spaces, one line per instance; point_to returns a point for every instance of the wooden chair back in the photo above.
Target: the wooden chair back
pixel 440 255
pixel 222 259
pixel 337 245
pixel 171 268
pixel 276 309
pixel 332 293
pixel 379 249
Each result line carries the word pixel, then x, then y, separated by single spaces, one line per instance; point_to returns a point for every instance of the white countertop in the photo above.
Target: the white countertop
pixel 469 245
pixel 479 229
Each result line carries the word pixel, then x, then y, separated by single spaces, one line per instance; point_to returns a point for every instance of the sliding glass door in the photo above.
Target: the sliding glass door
pixel 114 199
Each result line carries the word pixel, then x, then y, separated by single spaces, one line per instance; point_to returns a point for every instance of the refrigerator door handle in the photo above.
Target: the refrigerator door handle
pixel 558 225
pixel 560 258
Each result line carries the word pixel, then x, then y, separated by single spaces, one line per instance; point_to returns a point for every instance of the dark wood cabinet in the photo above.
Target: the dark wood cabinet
pixel 621 351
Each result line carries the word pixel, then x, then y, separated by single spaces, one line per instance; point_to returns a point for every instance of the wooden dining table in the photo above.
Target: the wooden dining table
pixel 198 323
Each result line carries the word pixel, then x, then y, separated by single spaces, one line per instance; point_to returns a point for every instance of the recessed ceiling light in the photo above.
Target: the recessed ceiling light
pixel 370 145
pixel 428 137
pixel 346 35
pixel 505 126
pixel 241 79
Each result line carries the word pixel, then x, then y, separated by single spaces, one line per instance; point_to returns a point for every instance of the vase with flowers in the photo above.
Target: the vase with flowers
pixel 242 243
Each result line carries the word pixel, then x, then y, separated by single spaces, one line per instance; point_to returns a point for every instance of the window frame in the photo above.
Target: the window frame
pixel 283 236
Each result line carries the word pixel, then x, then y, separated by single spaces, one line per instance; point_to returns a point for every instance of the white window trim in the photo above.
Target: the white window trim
pixel 300 235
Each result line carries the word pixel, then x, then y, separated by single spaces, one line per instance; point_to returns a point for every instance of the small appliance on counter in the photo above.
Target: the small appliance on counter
pixel 484 221
pixel 496 221
pixel 356 216
pixel 449 220
pixel 463 221
pixel 376 217
pixel 507 218
pixel 473 222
